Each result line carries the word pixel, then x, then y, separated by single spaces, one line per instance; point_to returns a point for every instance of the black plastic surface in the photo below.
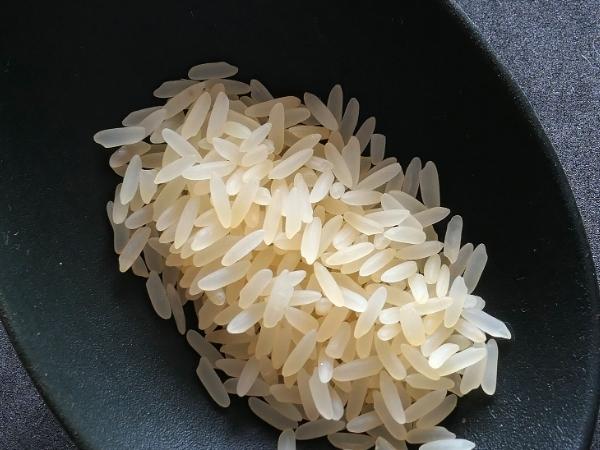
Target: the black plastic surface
pixel 119 377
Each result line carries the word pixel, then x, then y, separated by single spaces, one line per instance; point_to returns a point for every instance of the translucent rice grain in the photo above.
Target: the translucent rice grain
pixel 310 410
pixel 431 269
pixel 255 286
pixel 418 288
pixel 277 118
pixel 158 296
pixel 318 109
pixel 287 440
pixel 377 148
pixel 270 415
pixel 367 319
pixel 488 383
pixel 153 121
pixel 399 272
pixel 139 268
pixel 264 343
pixel 338 342
pixel 246 319
pixel 363 224
pixel 376 262
pixel 321 396
pixel 351 441
pixel 365 132
pixel 284 394
pixel 473 375
pixel 243 247
pixel 350 254
pixel 186 221
pixel 328 285
pixel 171 88
pixel 389 360
pixel 439 356
pixel 247 377
pixel 364 422
pixel 278 300
pixel 412 325
pixel 380 177
pixel 383 444
pixel 318 428
pixel 335 102
pixel 486 323
pixel 349 119
pixel 288 166
pixel 218 117
pixel 300 354
pixel 458 267
pixel 461 360
pixel 223 277
pixel 301 320
pixel 232 367
pixel 443 281
pixel 356 398
pixel 420 251
pixel 131 180
pixel 474 268
pixel 389 332
pixel 430 185
pixel 175 105
pixel 139 218
pixel 448 444
pixel 458 291
pixel 354 301
pixel 359 368
pixel 389 218
pixel 408 235
pixel 351 155
pixel 220 201
pixel 361 197
pixel 264 108
pixel 452 238
pixel 212 70
pixel 391 398
pixel 340 169
pixel 470 331
pixel 259 92
pixel 431 216
pixel 397 430
pixel 411 177
pixel 424 405
pixel 211 382
pixel 133 248
pixel 421 435
pixel 418 361
pixel 439 413
pixel 135 117
pixel 115 137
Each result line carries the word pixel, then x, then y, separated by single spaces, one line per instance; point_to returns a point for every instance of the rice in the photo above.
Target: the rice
pixel 319 428
pixel 448 444
pixel 315 273
pixel 287 440
pixel 211 382
pixel 421 435
pixel 212 70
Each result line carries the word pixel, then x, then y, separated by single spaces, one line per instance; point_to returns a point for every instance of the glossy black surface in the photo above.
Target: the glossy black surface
pixel 119 377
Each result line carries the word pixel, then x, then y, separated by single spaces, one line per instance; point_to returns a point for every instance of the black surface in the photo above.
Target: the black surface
pixel 452 106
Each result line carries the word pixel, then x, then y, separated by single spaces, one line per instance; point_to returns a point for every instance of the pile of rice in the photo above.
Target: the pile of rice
pixel 321 288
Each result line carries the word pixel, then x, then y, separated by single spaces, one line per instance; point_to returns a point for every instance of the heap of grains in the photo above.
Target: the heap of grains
pixel 322 291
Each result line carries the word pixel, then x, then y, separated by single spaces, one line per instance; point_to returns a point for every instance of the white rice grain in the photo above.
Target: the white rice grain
pixel 213 70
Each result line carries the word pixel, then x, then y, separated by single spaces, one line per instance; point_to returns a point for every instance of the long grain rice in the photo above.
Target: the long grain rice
pixel 263 212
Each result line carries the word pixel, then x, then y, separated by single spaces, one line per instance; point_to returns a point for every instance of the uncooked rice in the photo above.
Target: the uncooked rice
pixel 319 286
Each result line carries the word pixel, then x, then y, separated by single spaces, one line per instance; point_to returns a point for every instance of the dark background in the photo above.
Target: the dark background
pixel 552 48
